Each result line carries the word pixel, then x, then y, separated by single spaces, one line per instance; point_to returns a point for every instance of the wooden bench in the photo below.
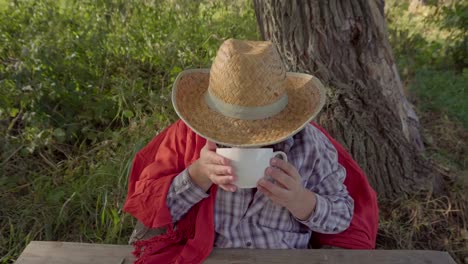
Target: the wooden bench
pixel 39 252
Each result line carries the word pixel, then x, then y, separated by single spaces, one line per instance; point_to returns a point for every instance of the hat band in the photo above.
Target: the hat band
pixel 245 112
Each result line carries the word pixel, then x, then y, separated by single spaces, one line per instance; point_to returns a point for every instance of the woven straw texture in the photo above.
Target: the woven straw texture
pixel 306 97
pixel 247 73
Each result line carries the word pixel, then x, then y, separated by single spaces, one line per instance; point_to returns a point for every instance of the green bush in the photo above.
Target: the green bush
pixel 431 50
pixel 70 67
pixel 454 19
pixel 434 37
pixel 83 85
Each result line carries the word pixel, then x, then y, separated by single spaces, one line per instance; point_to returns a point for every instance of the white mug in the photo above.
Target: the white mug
pixel 249 164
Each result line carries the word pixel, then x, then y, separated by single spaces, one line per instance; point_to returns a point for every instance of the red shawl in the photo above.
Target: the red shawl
pixel 169 153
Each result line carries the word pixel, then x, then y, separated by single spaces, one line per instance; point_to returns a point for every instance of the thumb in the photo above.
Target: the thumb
pixel 210 145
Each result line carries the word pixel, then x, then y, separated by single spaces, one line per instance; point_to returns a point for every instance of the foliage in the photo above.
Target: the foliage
pixel 116 58
pixel 432 36
pixel 454 19
pixel 431 49
pixel 443 91
pixel 83 85
pixel 430 46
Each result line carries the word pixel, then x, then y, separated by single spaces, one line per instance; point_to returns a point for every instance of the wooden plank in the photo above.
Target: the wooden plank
pixel 44 252
pixel 338 256
pixel 40 252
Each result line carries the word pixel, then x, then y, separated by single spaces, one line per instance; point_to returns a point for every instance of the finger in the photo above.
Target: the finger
pixel 280 177
pixel 220 180
pixel 287 167
pixel 210 145
pixel 228 187
pixel 220 169
pixel 213 158
pixel 268 194
pixel 274 189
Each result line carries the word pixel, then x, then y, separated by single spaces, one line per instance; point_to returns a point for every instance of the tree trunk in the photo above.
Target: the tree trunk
pixel 344 43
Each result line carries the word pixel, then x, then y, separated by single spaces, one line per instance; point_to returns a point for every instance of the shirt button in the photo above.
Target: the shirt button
pixel 248 244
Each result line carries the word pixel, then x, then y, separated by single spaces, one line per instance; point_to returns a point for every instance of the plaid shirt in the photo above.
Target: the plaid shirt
pixel 243 223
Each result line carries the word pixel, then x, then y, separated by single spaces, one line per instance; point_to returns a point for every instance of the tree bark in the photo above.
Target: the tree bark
pixel 344 43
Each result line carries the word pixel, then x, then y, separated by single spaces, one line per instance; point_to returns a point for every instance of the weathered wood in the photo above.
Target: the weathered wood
pixel 38 252
pixel 240 256
pixel 344 43
pixel 43 252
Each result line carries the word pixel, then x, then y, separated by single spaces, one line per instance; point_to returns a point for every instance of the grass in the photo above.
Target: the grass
pixel 430 49
pixel 80 93
pixel 442 91
pixel 85 84
pixel 425 220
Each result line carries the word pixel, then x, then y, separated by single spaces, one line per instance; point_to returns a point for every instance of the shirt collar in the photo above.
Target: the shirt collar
pixel 284 145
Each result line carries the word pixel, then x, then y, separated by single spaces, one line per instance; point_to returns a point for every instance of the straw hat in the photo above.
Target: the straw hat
pixel 247 99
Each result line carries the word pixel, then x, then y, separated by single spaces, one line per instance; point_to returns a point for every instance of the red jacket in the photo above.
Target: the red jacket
pixel 169 153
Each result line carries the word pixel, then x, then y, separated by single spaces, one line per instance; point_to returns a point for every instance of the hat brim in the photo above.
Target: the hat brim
pixel 306 97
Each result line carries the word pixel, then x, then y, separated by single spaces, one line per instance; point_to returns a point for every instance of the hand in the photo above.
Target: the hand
pixel 212 168
pixel 288 190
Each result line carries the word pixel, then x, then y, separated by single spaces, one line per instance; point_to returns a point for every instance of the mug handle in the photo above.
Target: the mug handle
pixel 282 154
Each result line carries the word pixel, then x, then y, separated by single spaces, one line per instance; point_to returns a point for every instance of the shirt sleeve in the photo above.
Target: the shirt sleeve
pixel 325 177
pixel 183 194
